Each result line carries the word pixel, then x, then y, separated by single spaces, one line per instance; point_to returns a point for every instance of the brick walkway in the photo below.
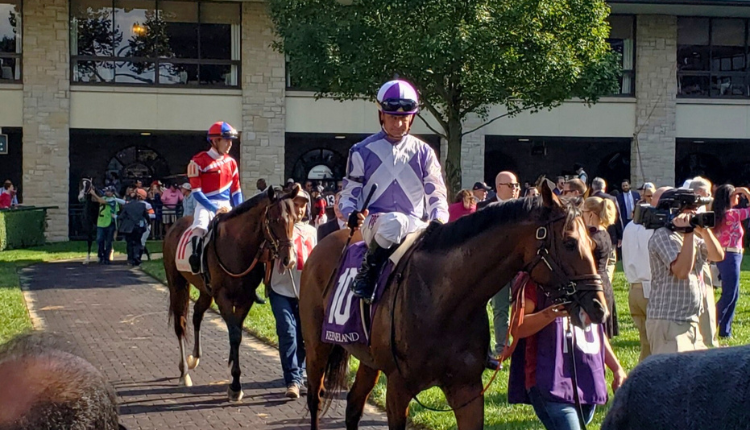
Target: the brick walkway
pixel 117 319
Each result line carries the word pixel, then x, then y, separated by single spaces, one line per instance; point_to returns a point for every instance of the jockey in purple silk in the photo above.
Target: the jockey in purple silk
pixel 410 183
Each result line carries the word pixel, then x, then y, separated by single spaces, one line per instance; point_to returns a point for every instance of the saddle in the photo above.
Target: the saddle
pixel 189 240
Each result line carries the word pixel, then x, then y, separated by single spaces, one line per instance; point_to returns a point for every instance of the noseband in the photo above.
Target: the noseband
pixel 567 286
pixel 272 242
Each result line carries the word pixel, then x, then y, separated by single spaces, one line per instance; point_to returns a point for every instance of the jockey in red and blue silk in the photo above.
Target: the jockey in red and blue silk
pixel 214 178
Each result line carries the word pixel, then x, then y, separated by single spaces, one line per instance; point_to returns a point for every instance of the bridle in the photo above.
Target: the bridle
pixel 271 242
pixel 567 286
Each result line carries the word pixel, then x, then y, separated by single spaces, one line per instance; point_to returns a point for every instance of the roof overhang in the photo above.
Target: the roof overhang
pixel 722 8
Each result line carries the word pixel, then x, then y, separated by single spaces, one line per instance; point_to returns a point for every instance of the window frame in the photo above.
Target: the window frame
pixel 18 56
pixel 628 72
pixel 710 73
pixel 158 61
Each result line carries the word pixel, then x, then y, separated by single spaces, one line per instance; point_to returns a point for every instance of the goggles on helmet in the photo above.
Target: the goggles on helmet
pixel 403 106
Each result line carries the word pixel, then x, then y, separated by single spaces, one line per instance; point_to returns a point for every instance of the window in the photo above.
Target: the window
pixel 154 42
pixel 712 57
pixel 10 41
pixel 622 41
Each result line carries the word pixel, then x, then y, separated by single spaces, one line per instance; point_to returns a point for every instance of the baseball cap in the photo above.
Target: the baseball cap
pixel 186 186
pixel 109 188
pixel 290 181
pixel 141 192
pixel 480 186
pixel 647 185
pixel 303 194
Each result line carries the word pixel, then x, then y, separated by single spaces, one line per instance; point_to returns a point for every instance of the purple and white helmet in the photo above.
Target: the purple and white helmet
pixel 398 97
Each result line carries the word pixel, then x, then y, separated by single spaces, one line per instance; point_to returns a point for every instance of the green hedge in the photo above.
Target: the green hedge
pixel 22 228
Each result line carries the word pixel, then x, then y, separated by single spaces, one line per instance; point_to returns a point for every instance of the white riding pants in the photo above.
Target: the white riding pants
pixel 202 216
pixel 388 229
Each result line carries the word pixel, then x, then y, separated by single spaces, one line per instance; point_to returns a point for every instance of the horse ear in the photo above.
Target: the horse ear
pixel 271 194
pixel 549 198
pixel 295 191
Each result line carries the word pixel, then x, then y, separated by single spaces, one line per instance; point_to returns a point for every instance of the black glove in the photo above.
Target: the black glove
pixel 353 221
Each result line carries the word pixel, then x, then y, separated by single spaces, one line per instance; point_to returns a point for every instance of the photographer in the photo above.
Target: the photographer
pixel 677 252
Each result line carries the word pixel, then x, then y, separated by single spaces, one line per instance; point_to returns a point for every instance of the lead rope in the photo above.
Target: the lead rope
pixel 571 338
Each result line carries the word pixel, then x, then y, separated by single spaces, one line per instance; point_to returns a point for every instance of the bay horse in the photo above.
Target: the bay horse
pixel 265 221
pixel 89 215
pixel 432 317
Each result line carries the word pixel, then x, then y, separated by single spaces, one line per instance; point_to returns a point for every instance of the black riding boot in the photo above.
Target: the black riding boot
pixel 195 257
pixel 363 285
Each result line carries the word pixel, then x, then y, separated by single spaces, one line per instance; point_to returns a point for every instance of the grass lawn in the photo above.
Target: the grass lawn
pixel 14 317
pixel 498 413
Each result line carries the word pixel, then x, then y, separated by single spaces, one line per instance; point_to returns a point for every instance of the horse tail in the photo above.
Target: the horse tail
pixel 336 375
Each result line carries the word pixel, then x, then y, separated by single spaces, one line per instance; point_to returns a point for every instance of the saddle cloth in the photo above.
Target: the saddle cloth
pixel 347 319
pixel 185 249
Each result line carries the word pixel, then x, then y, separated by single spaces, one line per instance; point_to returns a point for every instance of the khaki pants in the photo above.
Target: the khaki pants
pixel 638 305
pixel 666 336
pixel 611 263
pixel 707 320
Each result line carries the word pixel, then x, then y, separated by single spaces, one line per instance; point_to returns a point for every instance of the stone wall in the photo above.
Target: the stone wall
pixel 263 107
pixel 46 110
pixel 472 153
pixel 653 150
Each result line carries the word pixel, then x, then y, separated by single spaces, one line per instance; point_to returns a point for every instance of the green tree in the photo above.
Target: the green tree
pixel 463 56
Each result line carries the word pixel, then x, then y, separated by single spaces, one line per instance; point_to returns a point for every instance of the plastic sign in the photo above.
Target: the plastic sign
pixel 4 144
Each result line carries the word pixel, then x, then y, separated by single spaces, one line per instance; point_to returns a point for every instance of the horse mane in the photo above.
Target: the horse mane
pixel 247 205
pixel 456 233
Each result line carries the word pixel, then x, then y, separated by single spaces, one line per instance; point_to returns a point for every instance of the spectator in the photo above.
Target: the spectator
pixel 289 185
pixel 154 199
pixel 171 199
pixel 106 223
pixel 284 296
pixel 308 187
pixel 318 209
pixel 540 366
pixel 261 186
pixel 46 387
pixel 533 192
pixel 188 201
pixel 7 196
pixel 559 185
pixel 676 299
pixel 134 218
pixel 598 189
pixel 647 193
pixel 574 188
pixel 337 223
pixel 526 187
pixel 464 204
pixel 729 231
pixel 9 188
pixel 626 202
pixel 480 190
pixel 598 214
pixel 582 175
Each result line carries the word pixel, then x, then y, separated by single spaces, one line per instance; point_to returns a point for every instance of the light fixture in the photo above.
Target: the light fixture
pixel 698 141
pixel 339 137
pixel 145 134
pixel 523 140
pixel 139 29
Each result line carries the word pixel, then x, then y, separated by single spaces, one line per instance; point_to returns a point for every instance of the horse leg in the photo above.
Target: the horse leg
pixel 397 400
pixel 179 298
pixel 468 404
pixel 204 301
pixel 234 316
pixel 364 382
pixel 89 241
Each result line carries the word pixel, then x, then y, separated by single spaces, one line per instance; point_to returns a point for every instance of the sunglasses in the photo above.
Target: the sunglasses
pixel 398 105
pixel 512 185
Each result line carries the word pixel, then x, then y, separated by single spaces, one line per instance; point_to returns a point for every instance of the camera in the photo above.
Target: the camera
pixel 671 204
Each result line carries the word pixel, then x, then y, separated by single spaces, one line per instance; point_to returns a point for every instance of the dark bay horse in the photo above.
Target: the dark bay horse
pixel 267 221
pixel 89 215
pixel 432 317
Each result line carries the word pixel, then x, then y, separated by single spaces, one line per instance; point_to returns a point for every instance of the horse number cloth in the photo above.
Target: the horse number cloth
pixel 185 250
pixel 343 323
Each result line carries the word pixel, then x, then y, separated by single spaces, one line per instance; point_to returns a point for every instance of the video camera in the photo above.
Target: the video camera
pixel 670 205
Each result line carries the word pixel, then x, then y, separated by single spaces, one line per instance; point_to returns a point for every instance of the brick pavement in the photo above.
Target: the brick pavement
pixel 116 318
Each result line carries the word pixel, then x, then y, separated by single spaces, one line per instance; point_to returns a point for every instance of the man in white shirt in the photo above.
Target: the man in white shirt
pixel 284 296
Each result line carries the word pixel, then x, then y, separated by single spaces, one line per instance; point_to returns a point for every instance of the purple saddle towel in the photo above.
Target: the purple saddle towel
pixel 344 321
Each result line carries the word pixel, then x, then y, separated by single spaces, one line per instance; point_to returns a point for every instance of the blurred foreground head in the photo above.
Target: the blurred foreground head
pixel 45 387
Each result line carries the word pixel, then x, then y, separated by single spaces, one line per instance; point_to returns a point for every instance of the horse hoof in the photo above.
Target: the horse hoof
pixel 192 362
pixel 235 396
pixel 185 381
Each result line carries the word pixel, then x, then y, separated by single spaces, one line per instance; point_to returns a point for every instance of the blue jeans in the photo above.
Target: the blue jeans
pixel 104 237
pixel 288 328
pixel 558 416
pixel 729 269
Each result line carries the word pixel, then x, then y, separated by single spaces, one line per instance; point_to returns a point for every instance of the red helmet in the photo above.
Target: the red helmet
pixel 222 129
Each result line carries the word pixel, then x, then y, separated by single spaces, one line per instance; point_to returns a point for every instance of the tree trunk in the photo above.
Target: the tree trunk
pixel 453 158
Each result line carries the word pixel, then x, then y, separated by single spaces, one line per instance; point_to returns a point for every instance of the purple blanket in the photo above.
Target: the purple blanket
pixel 343 323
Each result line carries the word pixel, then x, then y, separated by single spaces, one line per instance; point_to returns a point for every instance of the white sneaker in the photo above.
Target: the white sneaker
pixel 292 391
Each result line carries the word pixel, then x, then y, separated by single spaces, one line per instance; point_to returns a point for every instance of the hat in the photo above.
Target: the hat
pixel 156 182
pixel 109 188
pixel 480 186
pixel 647 185
pixel 303 194
pixel 141 193
pixel 186 186
pixel 290 181
pixel 319 188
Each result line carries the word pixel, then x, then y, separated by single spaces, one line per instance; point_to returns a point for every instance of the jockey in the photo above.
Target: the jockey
pixel 215 183
pixel 410 183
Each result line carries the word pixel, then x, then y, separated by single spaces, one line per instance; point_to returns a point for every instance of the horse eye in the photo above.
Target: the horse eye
pixel 571 244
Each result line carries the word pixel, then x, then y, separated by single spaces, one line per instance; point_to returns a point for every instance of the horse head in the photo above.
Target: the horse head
pixel 559 258
pixel 84 187
pixel 279 225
